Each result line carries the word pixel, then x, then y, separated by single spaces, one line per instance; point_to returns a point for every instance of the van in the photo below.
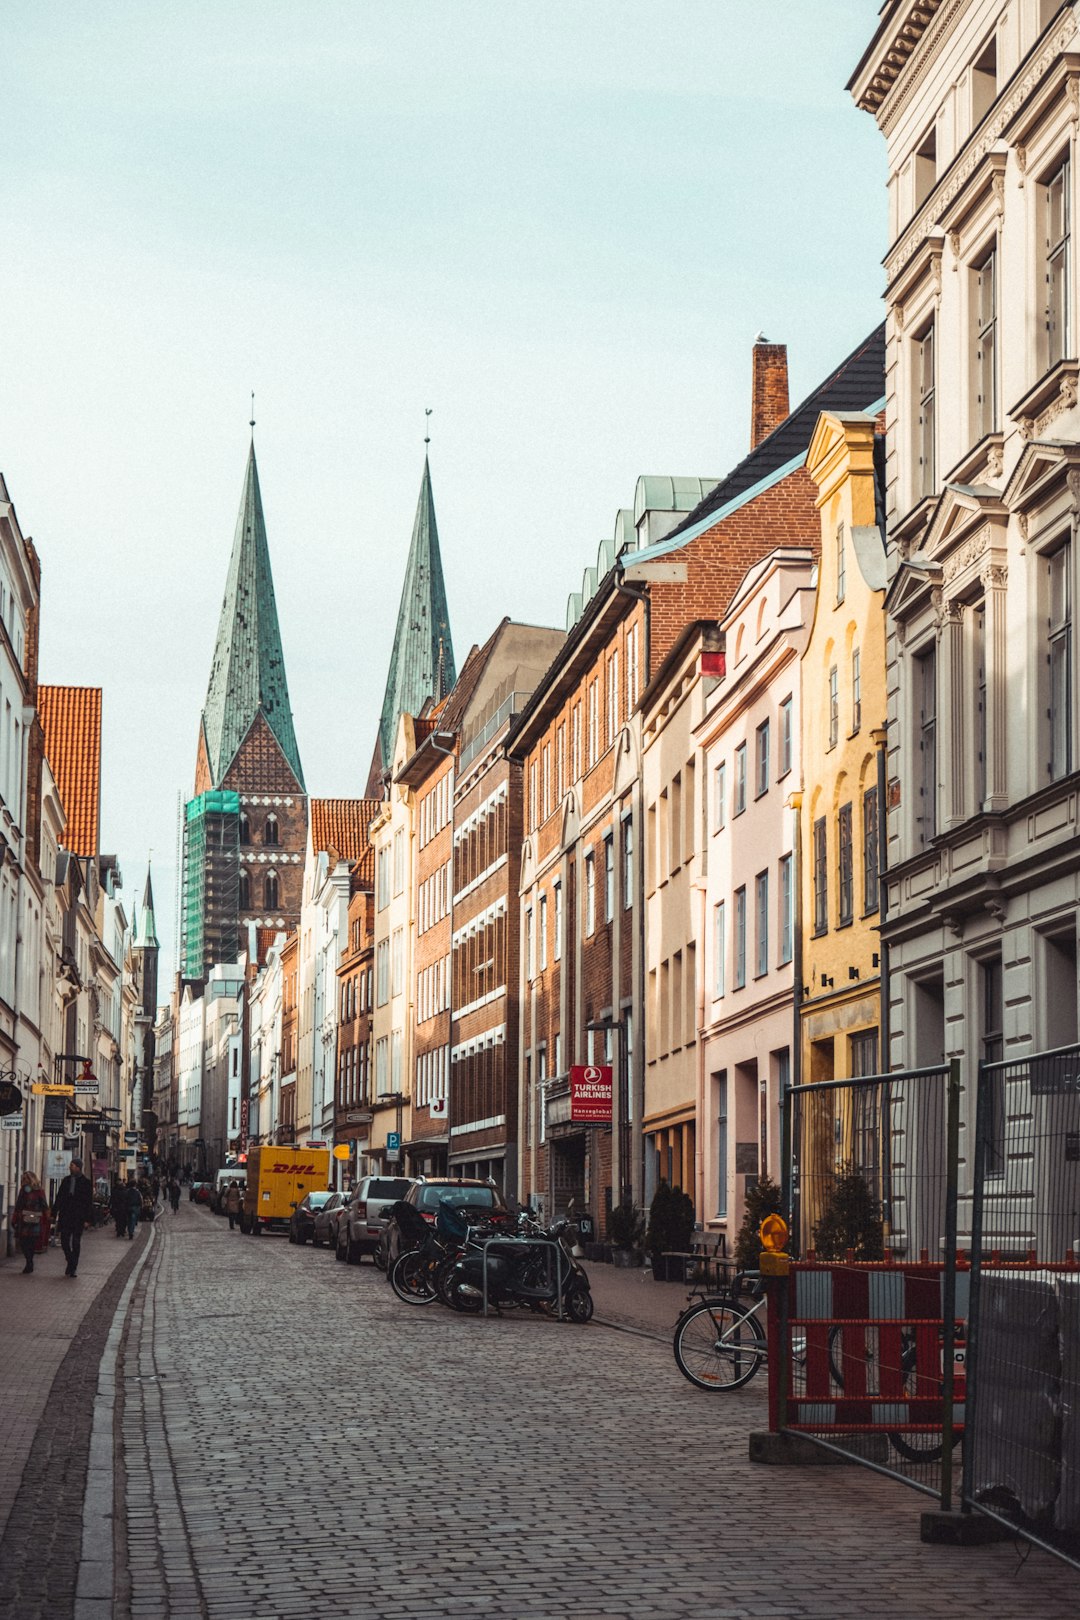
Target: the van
pixel 222 1182
pixel 279 1178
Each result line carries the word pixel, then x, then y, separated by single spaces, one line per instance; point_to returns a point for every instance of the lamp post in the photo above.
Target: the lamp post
pixel 620 1122
pixel 396 1098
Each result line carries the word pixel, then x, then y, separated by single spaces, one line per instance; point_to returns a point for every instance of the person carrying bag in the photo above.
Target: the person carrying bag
pixel 32 1219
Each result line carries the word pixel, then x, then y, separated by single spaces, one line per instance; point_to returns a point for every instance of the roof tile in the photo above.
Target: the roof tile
pixel 71 720
pixel 341 826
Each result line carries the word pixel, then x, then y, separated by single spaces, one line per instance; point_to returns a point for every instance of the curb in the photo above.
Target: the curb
pixel 96 1586
pixel 624 1327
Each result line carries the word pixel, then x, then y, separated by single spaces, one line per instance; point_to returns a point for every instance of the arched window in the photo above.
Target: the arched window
pixel 270 831
pixel 270 891
pixel 245 892
pixel 245 828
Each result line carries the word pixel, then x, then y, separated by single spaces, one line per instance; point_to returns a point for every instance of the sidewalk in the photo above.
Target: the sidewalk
pixel 41 1316
pixel 629 1298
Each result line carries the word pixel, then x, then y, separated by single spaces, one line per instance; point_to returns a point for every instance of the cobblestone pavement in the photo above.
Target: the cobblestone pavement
pixel 52 1332
pixel 298 1442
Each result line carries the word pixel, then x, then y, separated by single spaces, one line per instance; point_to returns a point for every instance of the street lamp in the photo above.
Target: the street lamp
pixel 621 1090
pixel 389 1098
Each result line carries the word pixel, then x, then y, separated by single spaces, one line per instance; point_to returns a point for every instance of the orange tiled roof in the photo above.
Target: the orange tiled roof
pixel 71 719
pixel 341 825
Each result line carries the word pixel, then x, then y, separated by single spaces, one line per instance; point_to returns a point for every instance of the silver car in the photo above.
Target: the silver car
pixel 360 1224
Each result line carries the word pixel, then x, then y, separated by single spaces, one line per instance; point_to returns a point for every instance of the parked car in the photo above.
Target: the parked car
pixel 302 1219
pixel 360 1225
pixel 324 1229
pixel 481 1198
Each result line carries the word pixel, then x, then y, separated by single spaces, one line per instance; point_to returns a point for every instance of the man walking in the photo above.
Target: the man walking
pixel 73 1209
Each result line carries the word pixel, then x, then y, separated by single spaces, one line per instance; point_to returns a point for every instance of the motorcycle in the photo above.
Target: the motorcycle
pixel 538 1269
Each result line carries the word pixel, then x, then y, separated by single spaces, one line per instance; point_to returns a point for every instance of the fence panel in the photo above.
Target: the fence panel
pixel 1022 1454
pixel 871 1320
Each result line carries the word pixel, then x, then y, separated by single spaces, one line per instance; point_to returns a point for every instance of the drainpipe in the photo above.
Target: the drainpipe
pixel 880 739
pixel 637 986
pixel 796 1054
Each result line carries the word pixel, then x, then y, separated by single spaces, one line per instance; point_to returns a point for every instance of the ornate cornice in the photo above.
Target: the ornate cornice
pixel 888 53
pixel 991 131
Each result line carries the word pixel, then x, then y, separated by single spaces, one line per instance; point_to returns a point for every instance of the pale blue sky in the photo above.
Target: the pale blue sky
pixel 560 225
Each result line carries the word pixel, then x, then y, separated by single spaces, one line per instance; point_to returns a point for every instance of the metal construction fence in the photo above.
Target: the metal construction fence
pixel 1022 1439
pixel 929 1326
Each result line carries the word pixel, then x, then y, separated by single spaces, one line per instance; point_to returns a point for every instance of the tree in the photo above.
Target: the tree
pixel 851 1221
pixel 763 1198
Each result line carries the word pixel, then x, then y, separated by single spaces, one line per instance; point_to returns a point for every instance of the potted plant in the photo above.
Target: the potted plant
pixel 671 1226
pixel 626 1230
pixel 851 1222
pixel 762 1198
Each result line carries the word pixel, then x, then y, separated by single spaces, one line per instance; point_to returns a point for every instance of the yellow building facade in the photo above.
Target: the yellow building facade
pixel 843 736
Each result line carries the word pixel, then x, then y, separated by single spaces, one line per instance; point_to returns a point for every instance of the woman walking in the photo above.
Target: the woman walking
pixel 233 1203
pixel 118 1207
pixel 32 1217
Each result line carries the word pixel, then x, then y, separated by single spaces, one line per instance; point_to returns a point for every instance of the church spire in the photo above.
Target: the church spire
pixel 247 676
pixel 422 659
pixel 145 927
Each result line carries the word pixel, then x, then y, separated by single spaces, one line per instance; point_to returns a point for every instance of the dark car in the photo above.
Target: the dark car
pixel 302 1219
pixel 481 1199
pixel 325 1226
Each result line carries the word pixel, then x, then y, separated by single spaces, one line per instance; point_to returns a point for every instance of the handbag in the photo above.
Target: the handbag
pixel 30 1220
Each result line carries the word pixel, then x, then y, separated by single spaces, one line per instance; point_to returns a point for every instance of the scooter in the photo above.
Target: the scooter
pixel 541 1271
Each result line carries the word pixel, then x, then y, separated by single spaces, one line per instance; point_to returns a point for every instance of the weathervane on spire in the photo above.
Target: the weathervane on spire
pixel 251 424
pixel 427 434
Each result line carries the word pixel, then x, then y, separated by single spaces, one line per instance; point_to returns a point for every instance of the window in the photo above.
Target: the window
pixel 864 1057
pixel 546 779
pixel 856 690
pixel 270 891
pixel 925 437
pixel 841 564
pixel 787 910
pixel 270 830
pixel 631 668
pixel 575 742
pixel 785 738
pixel 1057 214
pixel 590 894
pixel 984 82
pixel 399 861
pixel 925 167
pixel 397 962
pixel 926 701
pixel 541 934
pixel 986 403
pixel 821 878
pixel 609 877
pixel 560 762
pixel 740 779
pixel 978 622
pixel 382 973
pixel 992 1050
pixel 529 944
pixel 761 908
pixel 846 885
pixel 720 796
pixel 761 759
pixel 244 828
pixel 627 862
pixel 720 1081
pixel 382 1076
pixel 244 892
pixel 834 706
pixel 1059 661
pixel 871 864
pixel 612 696
pixel 382 884
pixel 593 739
pixel 740 938
pixel 558 922
pixel 534 797
pixel 719 949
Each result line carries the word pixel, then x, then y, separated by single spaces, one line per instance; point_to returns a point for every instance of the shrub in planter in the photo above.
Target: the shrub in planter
pixel 671 1226
pixel 851 1222
pixel 762 1199
pixel 626 1230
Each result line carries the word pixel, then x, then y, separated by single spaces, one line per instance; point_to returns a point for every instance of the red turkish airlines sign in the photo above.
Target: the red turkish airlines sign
pixel 590 1094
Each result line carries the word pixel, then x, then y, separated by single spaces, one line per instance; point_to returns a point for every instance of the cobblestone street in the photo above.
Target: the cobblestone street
pixel 294 1441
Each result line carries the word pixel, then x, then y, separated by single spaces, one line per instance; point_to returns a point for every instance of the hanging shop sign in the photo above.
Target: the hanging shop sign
pixel 590 1094
pixel 11 1098
pixel 54 1117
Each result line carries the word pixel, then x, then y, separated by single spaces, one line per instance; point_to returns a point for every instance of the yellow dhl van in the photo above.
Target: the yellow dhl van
pixel 278 1178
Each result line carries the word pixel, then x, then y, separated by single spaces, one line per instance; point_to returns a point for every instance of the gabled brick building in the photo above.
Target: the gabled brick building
pixel 581 919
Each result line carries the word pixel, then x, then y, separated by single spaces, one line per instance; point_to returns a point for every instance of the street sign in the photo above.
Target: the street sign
pixel 126 1153
pixel 86 1088
pixel 315 1144
pixel 343 1151
pixel 590 1094
pixel 131 1138
pixel 363 1116
pixel 45 1088
pixel 393 1141
pixel 11 1122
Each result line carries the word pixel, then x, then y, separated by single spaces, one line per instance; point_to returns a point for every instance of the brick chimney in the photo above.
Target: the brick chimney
pixel 769 398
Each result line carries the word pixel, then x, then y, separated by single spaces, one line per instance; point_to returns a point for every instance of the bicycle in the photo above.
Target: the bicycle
pixel 719 1343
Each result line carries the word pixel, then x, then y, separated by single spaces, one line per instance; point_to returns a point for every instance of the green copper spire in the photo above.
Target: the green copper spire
pixel 248 672
pixel 422 660
pixel 145 929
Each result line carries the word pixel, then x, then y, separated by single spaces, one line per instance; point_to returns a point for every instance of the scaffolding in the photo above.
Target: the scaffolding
pixel 210 924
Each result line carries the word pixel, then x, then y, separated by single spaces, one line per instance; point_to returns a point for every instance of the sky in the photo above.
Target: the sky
pixel 559 226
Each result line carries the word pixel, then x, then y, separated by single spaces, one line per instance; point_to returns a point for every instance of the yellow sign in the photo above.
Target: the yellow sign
pixel 773 1233
pixel 343 1151
pixel 45 1088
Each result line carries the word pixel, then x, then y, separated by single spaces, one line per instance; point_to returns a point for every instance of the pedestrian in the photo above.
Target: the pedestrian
pixel 232 1203
pixel 118 1207
pixel 73 1208
pixel 174 1193
pixel 32 1219
pixel 134 1208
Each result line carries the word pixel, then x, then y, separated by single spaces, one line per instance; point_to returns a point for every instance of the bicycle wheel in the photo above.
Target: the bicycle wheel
pixel 718 1346
pixel 410 1278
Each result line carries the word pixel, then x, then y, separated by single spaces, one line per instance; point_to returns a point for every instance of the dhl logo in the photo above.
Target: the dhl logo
pixel 293 1169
